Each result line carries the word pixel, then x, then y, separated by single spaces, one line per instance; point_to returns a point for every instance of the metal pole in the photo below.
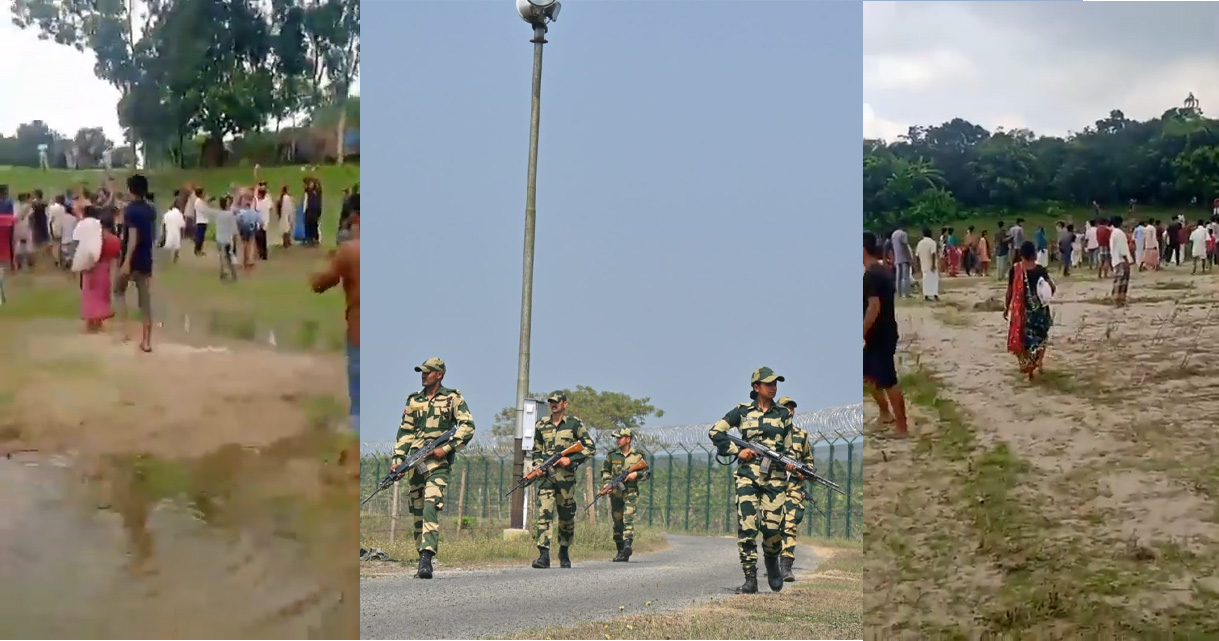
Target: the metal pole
pixel 522 366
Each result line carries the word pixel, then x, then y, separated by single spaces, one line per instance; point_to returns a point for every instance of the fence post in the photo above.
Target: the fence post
pixel 592 514
pixel 669 489
pixel 484 494
pixel 461 501
pixel 393 514
pixel 731 502
pixel 651 489
pixel 689 466
pixel 829 496
pixel 707 506
pixel 850 477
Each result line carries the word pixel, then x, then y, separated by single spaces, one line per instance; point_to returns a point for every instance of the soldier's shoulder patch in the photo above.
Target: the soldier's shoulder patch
pixel 744 406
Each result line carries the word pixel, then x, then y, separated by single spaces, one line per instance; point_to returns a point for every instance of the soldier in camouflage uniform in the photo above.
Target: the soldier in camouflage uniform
pixel 622 502
pixel 429 413
pixel 557 492
pixel 793 509
pixel 761 488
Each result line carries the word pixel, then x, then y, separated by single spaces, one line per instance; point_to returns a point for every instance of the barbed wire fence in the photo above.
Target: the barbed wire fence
pixel 689 491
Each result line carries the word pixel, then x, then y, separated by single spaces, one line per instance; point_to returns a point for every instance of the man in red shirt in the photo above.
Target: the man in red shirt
pixel 1103 233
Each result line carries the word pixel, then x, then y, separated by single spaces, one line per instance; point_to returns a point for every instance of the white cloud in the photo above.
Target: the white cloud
pixel 1052 67
pixel 51 82
pixel 877 127
pixel 920 71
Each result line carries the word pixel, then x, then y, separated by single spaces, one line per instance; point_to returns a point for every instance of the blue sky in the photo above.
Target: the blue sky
pixel 688 156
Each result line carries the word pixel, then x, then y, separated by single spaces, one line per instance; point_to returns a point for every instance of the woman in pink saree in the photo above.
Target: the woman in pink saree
pixel 96 252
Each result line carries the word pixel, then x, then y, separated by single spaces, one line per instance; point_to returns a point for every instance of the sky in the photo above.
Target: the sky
pixel 676 211
pixel 30 62
pixel 1052 67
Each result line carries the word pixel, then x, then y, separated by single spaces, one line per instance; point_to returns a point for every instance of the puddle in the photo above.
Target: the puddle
pixel 241 543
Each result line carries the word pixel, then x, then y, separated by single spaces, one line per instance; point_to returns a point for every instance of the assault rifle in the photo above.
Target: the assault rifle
pixel 618 482
pixel 803 469
pixel 400 470
pixel 545 467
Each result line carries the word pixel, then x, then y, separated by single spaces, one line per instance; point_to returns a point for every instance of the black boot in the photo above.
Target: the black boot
pixel 564 560
pixel 543 560
pixel 618 559
pixel 785 564
pixel 425 565
pixel 750 586
pixel 774 578
pixel 626 551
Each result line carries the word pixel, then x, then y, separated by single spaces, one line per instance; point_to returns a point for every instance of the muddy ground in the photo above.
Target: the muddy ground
pixel 201 491
pixel 1080 505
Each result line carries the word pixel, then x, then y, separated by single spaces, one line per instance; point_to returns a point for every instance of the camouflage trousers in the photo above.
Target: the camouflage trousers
pixel 555 495
pixel 759 509
pixel 426 497
pixel 793 514
pixel 622 508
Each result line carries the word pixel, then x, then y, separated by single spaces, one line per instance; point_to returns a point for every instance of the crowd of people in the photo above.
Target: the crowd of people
pixel 1107 246
pixel 1151 242
pixel 107 238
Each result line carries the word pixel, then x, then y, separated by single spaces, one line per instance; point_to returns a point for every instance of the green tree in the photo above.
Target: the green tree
pixel 957 169
pixel 602 412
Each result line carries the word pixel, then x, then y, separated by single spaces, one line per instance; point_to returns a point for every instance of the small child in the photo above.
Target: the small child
pixel 1210 248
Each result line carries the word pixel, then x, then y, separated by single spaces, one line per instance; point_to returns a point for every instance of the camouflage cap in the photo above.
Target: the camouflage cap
pixel 787 400
pixel 431 365
pixel 557 397
pixel 626 431
pixel 765 375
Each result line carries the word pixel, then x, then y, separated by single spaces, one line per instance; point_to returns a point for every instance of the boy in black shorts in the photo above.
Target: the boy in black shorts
pixel 880 338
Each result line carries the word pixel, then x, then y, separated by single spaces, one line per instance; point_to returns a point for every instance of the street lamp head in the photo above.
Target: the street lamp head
pixel 538 12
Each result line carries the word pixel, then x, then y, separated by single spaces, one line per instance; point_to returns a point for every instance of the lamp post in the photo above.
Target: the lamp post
pixel 537 13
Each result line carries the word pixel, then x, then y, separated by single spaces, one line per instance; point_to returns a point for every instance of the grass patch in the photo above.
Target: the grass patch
pixel 826 605
pixel 951 316
pixel 1061 586
pixel 481 542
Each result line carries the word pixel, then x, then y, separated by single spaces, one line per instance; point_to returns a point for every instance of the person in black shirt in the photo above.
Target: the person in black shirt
pixel 1028 316
pixel 880 338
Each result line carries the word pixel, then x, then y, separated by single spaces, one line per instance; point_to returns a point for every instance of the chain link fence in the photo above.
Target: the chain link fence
pixel 689 490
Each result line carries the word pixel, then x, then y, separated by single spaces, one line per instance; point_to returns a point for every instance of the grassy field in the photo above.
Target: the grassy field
pixel 1072 506
pixel 217 423
pixel 825 605
pixel 334 180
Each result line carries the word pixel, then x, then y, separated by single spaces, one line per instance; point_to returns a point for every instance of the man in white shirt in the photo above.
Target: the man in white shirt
pixel 926 252
pixel 1093 245
pixel 1197 242
pixel 174 222
pixel 264 204
pixel 1119 253
pixel 201 220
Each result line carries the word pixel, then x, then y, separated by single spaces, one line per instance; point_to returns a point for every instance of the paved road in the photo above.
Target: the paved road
pixel 469 604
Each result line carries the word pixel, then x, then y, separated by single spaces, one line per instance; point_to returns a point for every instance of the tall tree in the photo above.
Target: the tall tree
pixel 601 412
pixel 942 172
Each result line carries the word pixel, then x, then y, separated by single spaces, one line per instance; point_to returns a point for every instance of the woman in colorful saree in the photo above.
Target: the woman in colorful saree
pixel 1027 314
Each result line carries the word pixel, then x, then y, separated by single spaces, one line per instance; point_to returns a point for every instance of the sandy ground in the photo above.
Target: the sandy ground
pixel 1089 493
pixel 198 491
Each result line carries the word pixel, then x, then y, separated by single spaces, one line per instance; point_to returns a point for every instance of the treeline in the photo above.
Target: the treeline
pixel 959 169
pixel 219 69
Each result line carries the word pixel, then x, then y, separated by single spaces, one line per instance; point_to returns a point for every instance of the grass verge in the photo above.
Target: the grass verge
pixel 824 605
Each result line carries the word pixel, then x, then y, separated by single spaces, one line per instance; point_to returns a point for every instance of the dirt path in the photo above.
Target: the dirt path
pixel 473 604
pixel 204 482
pixel 1081 504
